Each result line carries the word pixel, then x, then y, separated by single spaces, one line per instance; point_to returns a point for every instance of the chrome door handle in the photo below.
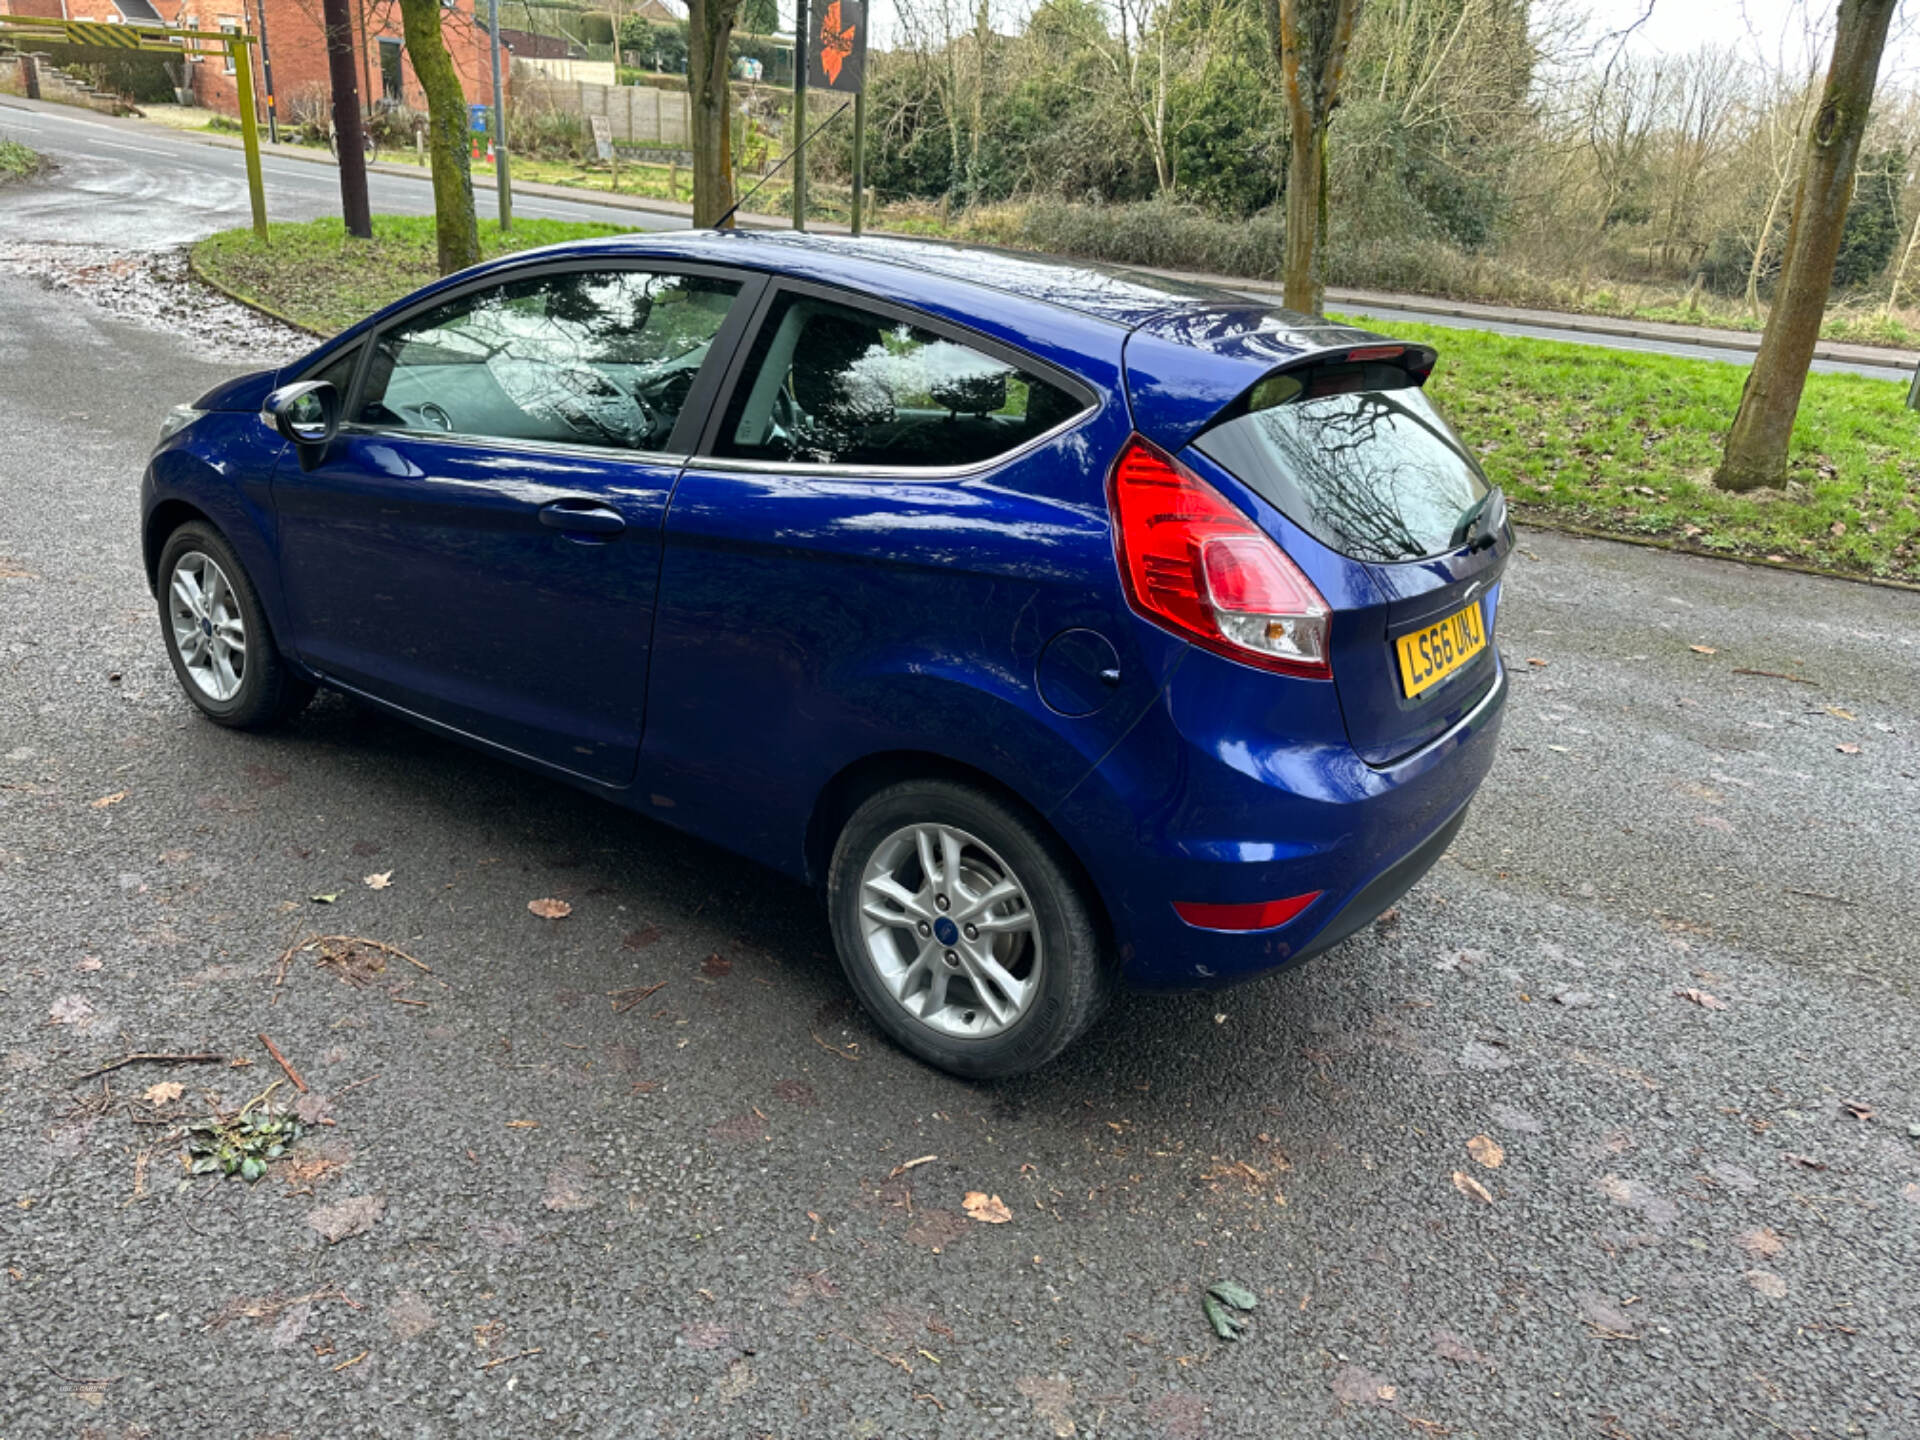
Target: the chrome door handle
pixel 582 517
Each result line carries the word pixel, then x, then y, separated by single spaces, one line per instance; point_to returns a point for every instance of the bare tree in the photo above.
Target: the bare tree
pixel 1310 40
pixel 1757 444
pixel 456 231
pixel 709 29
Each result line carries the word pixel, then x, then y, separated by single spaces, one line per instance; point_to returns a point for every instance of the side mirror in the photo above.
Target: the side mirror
pixel 308 413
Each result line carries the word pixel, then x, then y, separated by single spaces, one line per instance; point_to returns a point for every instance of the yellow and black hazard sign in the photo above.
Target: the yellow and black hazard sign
pixel 92 32
pixel 98 35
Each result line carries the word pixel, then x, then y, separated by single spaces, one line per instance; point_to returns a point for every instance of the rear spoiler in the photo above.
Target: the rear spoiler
pixel 1191 368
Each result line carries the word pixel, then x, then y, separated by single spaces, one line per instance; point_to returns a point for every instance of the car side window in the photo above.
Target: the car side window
pixel 828 383
pixel 338 372
pixel 585 357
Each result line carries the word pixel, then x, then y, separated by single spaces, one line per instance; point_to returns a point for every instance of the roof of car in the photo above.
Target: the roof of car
pixel 1105 292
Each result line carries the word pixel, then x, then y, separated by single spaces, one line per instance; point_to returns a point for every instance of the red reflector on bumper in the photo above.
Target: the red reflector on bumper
pixel 1260 915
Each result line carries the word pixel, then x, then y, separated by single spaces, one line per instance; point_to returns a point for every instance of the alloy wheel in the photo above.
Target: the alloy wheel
pixel 208 629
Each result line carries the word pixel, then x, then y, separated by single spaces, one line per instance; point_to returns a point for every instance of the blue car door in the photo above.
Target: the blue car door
pixel 480 546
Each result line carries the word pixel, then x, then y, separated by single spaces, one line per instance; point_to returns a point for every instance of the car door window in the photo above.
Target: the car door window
pixel 588 357
pixel 828 383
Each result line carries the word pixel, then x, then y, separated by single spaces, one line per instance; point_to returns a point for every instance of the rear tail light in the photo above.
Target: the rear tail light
pixel 1195 564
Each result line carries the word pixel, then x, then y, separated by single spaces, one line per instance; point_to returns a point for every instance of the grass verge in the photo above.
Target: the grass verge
pixel 1610 441
pixel 314 276
pixel 1623 443
pixel 17 162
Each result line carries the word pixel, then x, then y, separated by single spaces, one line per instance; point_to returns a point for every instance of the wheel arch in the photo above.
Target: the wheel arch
pixel 850 788
pixel 166 517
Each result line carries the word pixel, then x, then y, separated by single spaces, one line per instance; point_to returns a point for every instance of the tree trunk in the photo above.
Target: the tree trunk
pixel 1310 40
pixel 1757 444
pixel 346 120
pixel 455 228
pixel 709 29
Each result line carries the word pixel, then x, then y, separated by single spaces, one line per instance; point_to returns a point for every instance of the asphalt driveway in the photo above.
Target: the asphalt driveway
pixel 1609 1130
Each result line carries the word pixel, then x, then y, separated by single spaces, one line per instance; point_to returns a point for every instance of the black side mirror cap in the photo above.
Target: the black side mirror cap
pixel 307 413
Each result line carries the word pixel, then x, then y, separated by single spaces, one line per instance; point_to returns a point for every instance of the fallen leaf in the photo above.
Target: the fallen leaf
pixel 1857 1110
pixel 1761 1243
pixel 1805 1162
pixel 550 909
pixel 1355 1385
pixel 1449 1346
pixel 70 1010
pixel 347 1218
pixel 165 1093
pixel 1847 747
pixel 1469 1186
pixel 523 1124
pixel 901 1169
pixel 1839 714
pixel 1701 998
pixel 1768 1284
pixel 105 800
pixel 987 1209
pixel 1532 661
pixel 380 881
pixel 1486 1151
pixel 324 899
pixel 1703 650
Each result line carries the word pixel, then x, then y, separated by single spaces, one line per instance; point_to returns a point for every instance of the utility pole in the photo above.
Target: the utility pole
pixel 502 179
pixel 859 155
pixel 266 74
pixel 800 114
pixel 354 210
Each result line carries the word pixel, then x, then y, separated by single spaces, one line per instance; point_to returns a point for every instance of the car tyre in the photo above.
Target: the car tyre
pixel 217 635
pixel 1020 986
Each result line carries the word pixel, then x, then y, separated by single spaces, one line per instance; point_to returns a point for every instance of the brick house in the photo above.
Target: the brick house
pixel 296 46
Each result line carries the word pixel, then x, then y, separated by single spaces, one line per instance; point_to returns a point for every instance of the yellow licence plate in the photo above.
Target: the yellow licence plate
pixel 1429 656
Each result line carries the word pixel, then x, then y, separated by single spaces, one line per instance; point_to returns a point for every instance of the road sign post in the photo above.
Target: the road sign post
pixel 803 44
pixel 836 60
pixel 1913 390
pixel 163 40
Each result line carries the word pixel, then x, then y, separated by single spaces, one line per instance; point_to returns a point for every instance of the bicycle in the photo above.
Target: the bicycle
pixel 367 146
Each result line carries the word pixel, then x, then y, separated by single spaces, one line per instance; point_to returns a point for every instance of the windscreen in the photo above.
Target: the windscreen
pixel 1367 467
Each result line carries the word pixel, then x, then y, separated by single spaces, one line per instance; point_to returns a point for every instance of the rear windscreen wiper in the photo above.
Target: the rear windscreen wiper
pixel 1481 525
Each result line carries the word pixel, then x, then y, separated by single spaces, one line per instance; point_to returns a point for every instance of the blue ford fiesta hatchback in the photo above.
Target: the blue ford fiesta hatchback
pixel 1070 628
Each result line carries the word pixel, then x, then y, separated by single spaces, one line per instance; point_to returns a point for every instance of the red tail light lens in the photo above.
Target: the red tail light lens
pixel 1261 915
pixel 1198 566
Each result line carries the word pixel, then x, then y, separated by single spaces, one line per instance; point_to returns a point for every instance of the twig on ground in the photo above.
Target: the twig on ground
pixel 877 1354
pixel 380 945
pixel 1778 675
pixel 1822 895
pixel 344 1364
pixel 292 1074
pixel 625 1000
pixel 154 1058
pixel 77 1379
pixel 834 1049
pixel 518 1355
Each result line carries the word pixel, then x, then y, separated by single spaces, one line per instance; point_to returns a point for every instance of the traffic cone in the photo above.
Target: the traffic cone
pixel 490 152
pixel 476 147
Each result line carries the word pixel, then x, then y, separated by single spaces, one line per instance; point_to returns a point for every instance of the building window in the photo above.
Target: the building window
pixel 391 82
pixel 229 27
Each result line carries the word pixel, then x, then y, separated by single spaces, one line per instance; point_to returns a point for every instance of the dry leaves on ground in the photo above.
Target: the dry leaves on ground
pixel 1762 1242
pixel 105 800
pixel 165 1093
pixel 1768 1284
pixel 1471 1187
pixel 987 1209
pixel 1845 747
pixel 70 1010
pixel 1703 650
pixel 550 909
pixel 1701 998
pixel 378 882
pixel 1486 1151
pixel 347 1218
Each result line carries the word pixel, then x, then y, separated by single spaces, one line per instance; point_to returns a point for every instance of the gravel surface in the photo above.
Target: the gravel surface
pixel 1607 1131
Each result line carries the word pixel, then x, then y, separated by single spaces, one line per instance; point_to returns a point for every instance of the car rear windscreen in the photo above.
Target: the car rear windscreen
pixel 1369 469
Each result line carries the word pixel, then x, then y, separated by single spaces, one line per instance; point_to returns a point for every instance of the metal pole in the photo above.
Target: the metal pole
pixel 800 114
pixel 1913 390
pixel 249 133
pixel 502 179
pixel 859 155
pixel 266 73
pixel 354 210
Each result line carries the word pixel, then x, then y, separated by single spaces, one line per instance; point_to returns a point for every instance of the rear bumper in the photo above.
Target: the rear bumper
pixel 1187 808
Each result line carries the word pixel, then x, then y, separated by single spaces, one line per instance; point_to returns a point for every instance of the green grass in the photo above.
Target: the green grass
pixel 1626 443
pixel 1610 440
pixel 16 160
pixel 313 275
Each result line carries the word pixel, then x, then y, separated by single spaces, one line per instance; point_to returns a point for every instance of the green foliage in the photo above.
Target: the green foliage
pixel 243 1146
pixel 1873 220
pixel 16 160
pixel 658 44
pixel 760 17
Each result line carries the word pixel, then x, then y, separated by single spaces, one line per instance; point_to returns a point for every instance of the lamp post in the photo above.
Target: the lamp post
pixel 501 176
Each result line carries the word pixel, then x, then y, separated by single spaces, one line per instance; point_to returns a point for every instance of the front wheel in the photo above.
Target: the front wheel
pixel 217 634
pixel 963 929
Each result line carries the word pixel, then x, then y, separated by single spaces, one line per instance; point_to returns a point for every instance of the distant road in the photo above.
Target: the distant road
pixel 133 185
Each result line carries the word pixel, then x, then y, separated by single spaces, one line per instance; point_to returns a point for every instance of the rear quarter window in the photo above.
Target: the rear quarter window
pixel 1376 474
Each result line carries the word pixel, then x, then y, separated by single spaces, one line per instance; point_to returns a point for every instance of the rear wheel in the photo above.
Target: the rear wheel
pixel 217 634
pixel 964 930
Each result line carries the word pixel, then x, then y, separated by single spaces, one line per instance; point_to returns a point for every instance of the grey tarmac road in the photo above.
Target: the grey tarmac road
pixel 1666 969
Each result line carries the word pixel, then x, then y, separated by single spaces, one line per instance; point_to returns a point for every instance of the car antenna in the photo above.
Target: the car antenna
pixel 721 223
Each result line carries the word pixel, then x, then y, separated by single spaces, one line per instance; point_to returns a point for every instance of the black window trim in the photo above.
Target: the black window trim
pixel 705 458
pixel 694 412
